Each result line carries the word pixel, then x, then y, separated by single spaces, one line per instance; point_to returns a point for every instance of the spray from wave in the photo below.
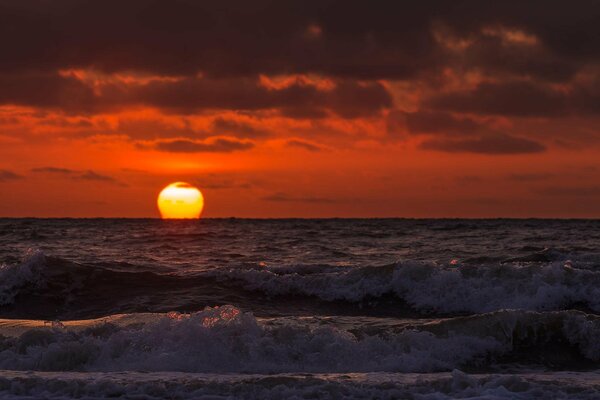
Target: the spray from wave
pixel 226 339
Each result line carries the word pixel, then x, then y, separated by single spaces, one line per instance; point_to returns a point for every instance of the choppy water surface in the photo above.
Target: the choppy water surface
pixel 309 308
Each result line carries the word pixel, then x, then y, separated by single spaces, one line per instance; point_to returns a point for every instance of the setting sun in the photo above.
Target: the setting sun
pixel 180 200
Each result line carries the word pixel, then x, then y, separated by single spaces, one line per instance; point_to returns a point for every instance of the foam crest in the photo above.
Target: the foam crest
pixel 440 386
pixel 225 339
pixel 28 273
pixel 434 287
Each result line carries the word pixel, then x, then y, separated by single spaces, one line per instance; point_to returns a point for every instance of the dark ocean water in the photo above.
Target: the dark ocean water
pixel 373 308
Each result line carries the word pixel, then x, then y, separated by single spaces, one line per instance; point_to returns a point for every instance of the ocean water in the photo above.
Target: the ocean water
pixel 335 308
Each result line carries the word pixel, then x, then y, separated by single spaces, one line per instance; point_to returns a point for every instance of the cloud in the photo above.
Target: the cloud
pixel 449 64
pixel 229 41
pixel 391 41
pixel 155 128
pixel 434 122
pixel 530 177
pixel 92 176
pixel 495 144
pixel 54 170
pixel 302 144
pixel 88 175
pixel 575 191
pixel 190 95
pixel 46 90
pixel 220 183
pixel 517 99
pixel 235 128
pixel 6 175
pixel 283 197
pixel 219 145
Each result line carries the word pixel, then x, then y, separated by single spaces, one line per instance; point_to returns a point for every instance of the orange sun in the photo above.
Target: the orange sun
pixel 180 200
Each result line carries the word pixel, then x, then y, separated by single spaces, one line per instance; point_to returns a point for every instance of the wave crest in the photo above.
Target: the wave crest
pixel 433 287
pixel 28 273
pixel 226 339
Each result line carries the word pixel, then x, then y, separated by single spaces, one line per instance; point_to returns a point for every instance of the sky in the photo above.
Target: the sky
pixel 301 108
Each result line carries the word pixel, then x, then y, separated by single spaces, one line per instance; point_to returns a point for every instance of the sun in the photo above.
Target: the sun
pixel 180 200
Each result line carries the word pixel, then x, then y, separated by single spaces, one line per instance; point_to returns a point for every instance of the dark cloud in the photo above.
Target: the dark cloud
pixel 6 175
pixel 302 144
pixel 570 191
pixel 189 95
pixel 54 170
pixel 96 177
pixel 351 100
pixel 392 40
pixel 88 175
pixel 518 99
pixel 530 56
pixel 219 145
pixel 222 183
pixel 93 176
pixel 232 39
pixel 283 197
pixel 156 129
pixel 193 94
pixel 46 90
pixel 235 128
pixel 530 177
pixel 524 61
pixel 495 144
pixel 439 122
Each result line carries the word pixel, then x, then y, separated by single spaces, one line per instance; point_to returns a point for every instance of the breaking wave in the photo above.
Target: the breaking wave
pixel 72 290
pixel 441 386
pixel 226 339
pixel 432 287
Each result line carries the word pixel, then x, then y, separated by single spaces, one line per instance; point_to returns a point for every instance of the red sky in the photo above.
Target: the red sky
pixel 301 109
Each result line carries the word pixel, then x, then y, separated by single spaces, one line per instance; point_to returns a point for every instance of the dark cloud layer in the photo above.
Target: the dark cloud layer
pixel 94 176
pixel 302 144
pixel 220 145
pixel 530 177
pixel 424 122
pixel 517 99
pixel 193 94
pixel 232 38
pixel 285 198
pixel 570 191
pixel 88 175
pixel 531 57
pixel 54 170
pixel 6 175
pixel 235 128
pixel 488 144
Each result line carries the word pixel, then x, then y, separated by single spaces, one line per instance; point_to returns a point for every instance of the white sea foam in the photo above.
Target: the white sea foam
pixel 438 386
pixel 425 286
pixel 432 287
pixel 27 273
pixel 225 339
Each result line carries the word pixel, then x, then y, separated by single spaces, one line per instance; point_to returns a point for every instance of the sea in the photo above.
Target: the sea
pixel 299 309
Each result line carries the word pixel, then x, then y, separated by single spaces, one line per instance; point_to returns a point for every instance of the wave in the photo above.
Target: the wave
pixel 432 287
pixel 49 287
pixel 441 386
pixel 28 273
pixel 226 339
